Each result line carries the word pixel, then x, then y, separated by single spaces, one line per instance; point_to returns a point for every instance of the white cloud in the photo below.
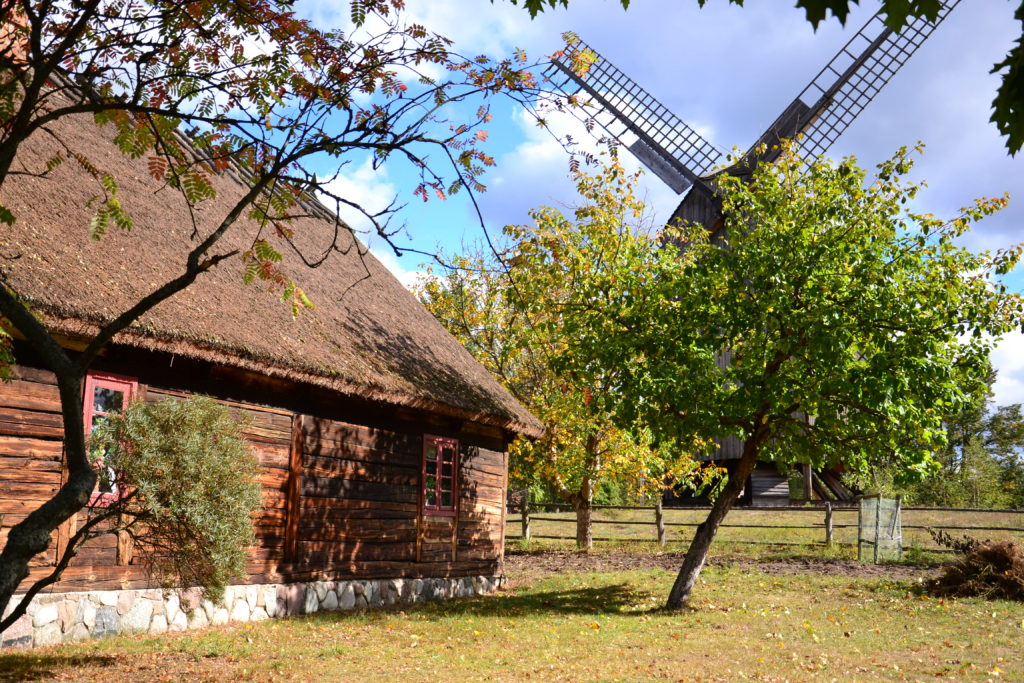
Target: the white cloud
pixel 536 171
pixel 493 30
pixel 387 257
pixel 1008 358
pixel 368 187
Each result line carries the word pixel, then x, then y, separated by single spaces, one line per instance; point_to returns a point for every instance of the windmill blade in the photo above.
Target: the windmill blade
pixel 846 85
pixel 672 150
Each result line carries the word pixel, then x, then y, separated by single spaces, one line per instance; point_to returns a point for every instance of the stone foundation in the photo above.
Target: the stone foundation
pixel 54 618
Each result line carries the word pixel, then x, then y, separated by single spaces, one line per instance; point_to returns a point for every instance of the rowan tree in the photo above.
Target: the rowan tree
pixel 837 325
pixel 508 313
pixel 201 88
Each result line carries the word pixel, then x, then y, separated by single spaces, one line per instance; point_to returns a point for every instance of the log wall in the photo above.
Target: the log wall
pixel 31 448
pixel 340 498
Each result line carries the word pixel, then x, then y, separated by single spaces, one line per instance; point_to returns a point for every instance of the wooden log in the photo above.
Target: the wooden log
pixel 319 554
pixel 125 546
pixel 659 521
pixel 351 504
pixel 525 512
pixel 31 423
pixel 828 523
pixel 326 487
pixel 360 471
pixel 37 449
pixel 504 510
pixel 294 499
pixel 353 450
pixel 26 475
pixel 8 464
pixel 30 396
pixel 35 491
pixel 325 535
pixel 28 374
pixel 333 432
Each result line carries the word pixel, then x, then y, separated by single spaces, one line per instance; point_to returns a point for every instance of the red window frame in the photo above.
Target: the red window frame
pixel 129 386
pixel 432 496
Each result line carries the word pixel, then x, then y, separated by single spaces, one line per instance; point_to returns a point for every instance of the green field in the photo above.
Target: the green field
pixel 607 626
pixel 759 526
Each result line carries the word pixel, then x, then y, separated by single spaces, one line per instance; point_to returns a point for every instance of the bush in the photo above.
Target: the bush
pixel 990 570
pixel 187 489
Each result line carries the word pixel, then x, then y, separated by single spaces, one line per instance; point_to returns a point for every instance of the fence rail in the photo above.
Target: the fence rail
pixel 819 532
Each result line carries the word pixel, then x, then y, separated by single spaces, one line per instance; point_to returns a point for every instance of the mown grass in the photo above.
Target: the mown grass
pixel 744 625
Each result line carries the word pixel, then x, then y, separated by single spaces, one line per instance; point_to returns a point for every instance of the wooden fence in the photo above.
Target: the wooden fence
pixel 816 525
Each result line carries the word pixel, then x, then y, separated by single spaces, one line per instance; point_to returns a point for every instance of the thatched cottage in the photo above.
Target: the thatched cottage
pixel 349 405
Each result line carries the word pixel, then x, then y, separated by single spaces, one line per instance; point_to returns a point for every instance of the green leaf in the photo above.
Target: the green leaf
pixel 357 10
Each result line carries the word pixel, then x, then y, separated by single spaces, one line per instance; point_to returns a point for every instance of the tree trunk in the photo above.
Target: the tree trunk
pixel 697 553
pixel 584 504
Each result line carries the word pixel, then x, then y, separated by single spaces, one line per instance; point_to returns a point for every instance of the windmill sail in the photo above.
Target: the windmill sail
pixel 834 98
pixel 670 148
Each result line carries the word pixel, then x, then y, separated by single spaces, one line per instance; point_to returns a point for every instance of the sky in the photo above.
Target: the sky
pixel 727 72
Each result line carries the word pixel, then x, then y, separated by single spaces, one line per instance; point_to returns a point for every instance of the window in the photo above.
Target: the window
pixel 440 459
pixel 105 394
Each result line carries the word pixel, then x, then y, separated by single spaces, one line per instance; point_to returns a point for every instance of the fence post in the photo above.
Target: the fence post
pixel 525 510
pixel 659 520
pixel 828 523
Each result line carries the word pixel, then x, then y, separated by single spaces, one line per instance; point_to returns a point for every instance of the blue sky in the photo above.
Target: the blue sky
pixel 728 72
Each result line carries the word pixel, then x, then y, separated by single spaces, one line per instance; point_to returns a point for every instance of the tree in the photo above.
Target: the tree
pixel 202 88
pixel 979 466
pixel 510 318
pixel 1008 105
pixel 981 463
pixel 836 326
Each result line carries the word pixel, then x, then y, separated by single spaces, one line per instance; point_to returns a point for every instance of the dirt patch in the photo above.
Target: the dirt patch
pixel 530 565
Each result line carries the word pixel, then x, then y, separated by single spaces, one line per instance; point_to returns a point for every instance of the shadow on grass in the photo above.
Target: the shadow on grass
pixel 32 666
pixel 620 598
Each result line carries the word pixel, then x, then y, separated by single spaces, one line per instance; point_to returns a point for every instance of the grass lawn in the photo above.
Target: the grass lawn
pixel 606 625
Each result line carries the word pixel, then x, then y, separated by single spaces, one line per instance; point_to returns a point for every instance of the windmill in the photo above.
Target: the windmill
pixel 688 163
pixel 684 160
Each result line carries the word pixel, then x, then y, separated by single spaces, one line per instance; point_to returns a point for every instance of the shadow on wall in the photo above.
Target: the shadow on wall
pixel 360 507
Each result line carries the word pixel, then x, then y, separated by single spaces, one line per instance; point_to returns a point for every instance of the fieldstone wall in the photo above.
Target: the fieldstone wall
pixel 67 617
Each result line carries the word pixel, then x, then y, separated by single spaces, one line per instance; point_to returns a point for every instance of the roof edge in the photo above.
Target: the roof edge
pixel 77 328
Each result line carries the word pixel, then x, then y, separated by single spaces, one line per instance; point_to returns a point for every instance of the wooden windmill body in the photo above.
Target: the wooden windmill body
pixel 688 163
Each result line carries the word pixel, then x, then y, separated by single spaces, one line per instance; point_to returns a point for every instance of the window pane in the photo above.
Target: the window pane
pixel 446 499
pixel 446 485
pixel 431 453
pixel 431 483
pixel 106 400
pixel 431 467
pixel 448 454
pixel 430 499
pixel 107 480
pixel 446 470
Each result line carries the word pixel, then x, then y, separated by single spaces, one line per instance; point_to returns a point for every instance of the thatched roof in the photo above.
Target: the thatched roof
pixel 368 336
